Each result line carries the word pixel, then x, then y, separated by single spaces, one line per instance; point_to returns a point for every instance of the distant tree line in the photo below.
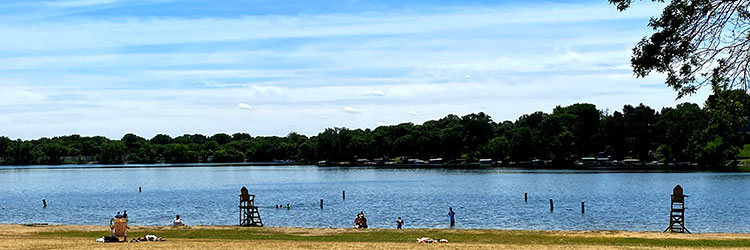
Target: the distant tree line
pixel 711 135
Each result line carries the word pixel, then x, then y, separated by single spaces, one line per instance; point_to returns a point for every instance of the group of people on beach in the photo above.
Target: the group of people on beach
pixel 361 222
pixel 118 224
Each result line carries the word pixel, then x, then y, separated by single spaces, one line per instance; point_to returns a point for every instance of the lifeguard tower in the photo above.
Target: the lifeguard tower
pixel 249 216
pixel 677 212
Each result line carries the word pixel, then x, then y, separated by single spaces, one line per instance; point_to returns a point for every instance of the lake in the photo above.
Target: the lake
pixel 482 198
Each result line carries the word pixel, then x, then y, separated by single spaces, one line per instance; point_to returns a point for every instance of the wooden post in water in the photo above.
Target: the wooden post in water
pixel 525 197
pixel 582 208
pixel 139 189
pixel 343 194
pixel 551 205
pixel 321 203
pixel 44 202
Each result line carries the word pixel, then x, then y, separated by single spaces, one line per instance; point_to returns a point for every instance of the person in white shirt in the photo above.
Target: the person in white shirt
pixel 177 222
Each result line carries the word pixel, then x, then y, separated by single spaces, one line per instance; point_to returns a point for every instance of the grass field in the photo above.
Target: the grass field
pixel 82 237
pixel 745 152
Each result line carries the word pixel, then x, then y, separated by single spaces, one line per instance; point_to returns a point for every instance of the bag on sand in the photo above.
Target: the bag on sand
pixel 111 239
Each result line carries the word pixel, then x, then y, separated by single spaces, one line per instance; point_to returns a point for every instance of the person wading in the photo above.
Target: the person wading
pixel 452 215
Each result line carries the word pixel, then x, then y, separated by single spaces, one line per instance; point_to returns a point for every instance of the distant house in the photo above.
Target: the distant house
pixel 362 161
pixel 436 161
pixel 632 162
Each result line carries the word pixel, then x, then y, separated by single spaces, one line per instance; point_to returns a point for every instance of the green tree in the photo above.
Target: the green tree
pixel 613 130
pixel 585 119
pixel 640 121
pixel 221 138
pixel 134 144
pixel 113 152
pixel 180 153
pixel 241 136
pixel 496 149
pixel 161 139
pixel 682 126
pixel 5 144
pixel 53 152
pixel 727 113
pixel 476 129
pixel 695 41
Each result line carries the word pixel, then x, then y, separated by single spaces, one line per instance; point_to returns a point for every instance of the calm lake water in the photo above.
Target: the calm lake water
pixel 482 198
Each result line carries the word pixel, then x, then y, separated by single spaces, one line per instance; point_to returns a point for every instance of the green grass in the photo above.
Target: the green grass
pixel 387 235
pixel 745 153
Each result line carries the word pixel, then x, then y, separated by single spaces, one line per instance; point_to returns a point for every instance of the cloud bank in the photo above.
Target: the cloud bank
pixel 107 71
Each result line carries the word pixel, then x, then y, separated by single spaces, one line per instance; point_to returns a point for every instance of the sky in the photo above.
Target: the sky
pixel 111 67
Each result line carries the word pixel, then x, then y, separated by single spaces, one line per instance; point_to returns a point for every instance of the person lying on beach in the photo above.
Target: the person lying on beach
pixel 148 237
pixel 430 240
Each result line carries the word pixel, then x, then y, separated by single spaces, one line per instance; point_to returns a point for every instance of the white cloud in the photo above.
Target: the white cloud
pixel 350 109
pixel 379 123
pixel 512 61
pixel 19 96
pixel 96 33
pixel 245 106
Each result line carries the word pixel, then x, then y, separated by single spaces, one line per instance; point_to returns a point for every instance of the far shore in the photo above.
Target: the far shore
pixel 525 166
pixel 15 236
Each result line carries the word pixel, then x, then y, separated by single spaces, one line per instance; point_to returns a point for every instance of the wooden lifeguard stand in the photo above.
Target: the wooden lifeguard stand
pixel 249 216
pixel 677 212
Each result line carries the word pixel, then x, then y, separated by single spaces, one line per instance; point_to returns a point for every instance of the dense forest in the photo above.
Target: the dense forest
pixel 711 136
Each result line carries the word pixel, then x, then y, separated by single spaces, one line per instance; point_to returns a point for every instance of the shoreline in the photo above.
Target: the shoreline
pixel 18 236
pixel 627 169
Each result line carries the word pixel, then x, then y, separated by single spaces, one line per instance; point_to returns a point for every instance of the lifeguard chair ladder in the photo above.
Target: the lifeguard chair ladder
pixel 677 212
pixel 249 215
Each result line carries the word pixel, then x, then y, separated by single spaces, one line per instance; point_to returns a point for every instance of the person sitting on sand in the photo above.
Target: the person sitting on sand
pixel 112 220
pixel 363 222
pixel 119 226
pixel 360 221
pixel 357 222
pixel 177 222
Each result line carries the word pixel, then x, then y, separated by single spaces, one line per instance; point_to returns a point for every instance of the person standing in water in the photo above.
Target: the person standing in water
pixel 399 223
pixel 452 215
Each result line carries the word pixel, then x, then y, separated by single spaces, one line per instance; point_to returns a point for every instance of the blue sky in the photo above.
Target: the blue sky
pixel 110 67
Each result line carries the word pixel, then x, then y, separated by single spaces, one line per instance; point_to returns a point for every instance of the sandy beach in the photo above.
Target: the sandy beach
pixel 212 237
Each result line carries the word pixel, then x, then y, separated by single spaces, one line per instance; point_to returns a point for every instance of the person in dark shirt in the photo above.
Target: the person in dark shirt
pixel 452 215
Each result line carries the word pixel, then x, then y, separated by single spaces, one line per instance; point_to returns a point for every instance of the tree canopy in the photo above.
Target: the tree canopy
pixel 696 43
pixel 711 135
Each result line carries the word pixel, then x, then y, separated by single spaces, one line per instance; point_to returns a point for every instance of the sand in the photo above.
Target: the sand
pixel 26 237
